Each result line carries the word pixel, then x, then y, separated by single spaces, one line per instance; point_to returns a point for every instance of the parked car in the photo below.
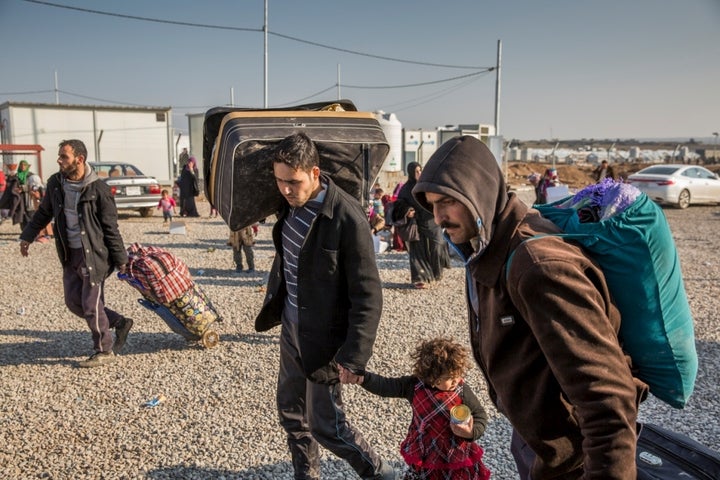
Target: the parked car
pixel 131 188
pixel 679 185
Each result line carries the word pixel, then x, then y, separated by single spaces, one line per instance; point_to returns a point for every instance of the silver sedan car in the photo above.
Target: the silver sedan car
pixel 131 189
pixel 677 184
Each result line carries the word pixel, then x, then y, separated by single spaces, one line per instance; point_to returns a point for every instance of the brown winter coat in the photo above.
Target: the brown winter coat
pixel 546 336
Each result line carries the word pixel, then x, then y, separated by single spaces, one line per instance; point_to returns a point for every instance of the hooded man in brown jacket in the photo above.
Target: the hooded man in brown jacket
pixel 544 332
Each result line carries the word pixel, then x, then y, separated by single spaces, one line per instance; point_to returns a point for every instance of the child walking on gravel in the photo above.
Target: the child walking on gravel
pixel 447 416
pixel 167 204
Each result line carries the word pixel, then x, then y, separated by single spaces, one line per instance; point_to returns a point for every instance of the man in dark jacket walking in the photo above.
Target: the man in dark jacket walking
pixel 88 243
pixel 324 289
pixel 544 332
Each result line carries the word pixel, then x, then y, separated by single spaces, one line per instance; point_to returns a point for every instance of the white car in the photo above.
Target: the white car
pixel 677 184
pixel 131 189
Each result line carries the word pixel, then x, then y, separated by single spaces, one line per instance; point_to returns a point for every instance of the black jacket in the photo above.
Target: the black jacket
pixel 101 240
pixel 339 290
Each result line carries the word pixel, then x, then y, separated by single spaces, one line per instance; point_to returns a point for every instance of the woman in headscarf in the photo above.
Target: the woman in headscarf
pixel 23 172
pixel 428 252
pixel 188 183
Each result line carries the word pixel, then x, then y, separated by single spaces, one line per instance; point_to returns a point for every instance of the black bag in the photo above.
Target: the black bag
pixel 408 230
pixel 238 146
pixel 389 212
pixel 662 454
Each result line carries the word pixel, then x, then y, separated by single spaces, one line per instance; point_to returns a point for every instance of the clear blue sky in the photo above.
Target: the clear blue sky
pixel 571 69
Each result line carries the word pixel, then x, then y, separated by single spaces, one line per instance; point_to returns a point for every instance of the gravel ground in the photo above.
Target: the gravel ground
pixel 61 422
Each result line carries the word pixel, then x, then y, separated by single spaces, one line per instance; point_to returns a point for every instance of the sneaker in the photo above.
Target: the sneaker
pixel 121 333
pixel 97 359
pixel 250 270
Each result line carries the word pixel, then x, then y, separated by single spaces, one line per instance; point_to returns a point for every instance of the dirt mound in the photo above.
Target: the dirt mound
pixel 575 176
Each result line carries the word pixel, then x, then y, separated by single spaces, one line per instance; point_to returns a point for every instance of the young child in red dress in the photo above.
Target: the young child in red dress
pixel 437 446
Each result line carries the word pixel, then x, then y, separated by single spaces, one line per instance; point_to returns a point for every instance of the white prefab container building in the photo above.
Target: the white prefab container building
pixel 141 136
pixel 392 128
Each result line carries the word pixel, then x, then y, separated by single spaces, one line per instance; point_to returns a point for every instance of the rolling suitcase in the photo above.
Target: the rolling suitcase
pixel 662 454
pixel 238 145
pixel 168 290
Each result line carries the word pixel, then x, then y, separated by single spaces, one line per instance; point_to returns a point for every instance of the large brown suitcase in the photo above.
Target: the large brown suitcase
pixel 237 153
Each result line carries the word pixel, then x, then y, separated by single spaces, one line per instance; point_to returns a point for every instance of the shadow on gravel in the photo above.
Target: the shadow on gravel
pixel 181 471
pixel 250 338
pixel 328 469
pixel 399 286
pixel 48 348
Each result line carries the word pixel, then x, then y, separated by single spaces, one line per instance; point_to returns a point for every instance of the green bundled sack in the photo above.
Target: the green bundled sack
pixel 636 251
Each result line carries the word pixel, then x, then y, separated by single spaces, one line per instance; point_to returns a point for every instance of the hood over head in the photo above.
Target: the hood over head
pixel 465 169
pixel 410 170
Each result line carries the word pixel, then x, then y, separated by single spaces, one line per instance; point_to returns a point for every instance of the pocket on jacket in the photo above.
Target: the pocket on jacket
pixel 327 263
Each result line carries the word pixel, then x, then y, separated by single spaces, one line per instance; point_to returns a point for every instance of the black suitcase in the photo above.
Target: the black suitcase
pixel 662 454
pixel 237 147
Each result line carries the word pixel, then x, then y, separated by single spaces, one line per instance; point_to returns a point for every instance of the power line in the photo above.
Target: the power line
pixel 341 85
pixel 308 42
pixel 145 19
pixel 409 85
pixel 427 98
pixel 245 29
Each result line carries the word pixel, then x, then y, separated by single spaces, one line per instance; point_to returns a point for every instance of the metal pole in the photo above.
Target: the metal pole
pixel 265 31
pixel 57 93
pixel 232 96
pixel 339 96
pixel 497 88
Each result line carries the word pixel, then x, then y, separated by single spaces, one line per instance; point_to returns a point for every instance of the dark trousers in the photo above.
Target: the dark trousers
pixel 88 301
pixel 313 414
pixel 523 455
pixel 249 256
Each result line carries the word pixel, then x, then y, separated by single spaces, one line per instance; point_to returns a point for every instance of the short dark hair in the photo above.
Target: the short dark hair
pixel 77 146
pixel 438 358
pixel 297 151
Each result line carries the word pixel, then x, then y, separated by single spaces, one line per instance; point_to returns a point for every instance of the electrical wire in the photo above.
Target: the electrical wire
pixel 246 29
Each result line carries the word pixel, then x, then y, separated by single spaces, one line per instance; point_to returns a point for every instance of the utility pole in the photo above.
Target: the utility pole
pixel 265 34
pixel 497 88
pixel 57 92
pixel 338 82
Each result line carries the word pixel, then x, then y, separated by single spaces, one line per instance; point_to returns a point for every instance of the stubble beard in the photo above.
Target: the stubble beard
pixel 71 171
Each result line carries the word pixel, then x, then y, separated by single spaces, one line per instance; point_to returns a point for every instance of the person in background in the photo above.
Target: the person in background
pixel 88 244
pixel 242 242
pixel 23 171
pixel 324 291
pixel 604 170
pixel 544 332
pixel 397 242
pixel 438 445
pixel 13 198
pixel 376 203
pixel 3 184
pixel 35 193
pixel 428 254
pixel 189 189
pixel 549 179
pixel 183 158
pixel 167 205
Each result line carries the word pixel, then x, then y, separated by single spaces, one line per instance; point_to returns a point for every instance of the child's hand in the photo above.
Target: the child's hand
pixel 346 376
pixel 463 430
